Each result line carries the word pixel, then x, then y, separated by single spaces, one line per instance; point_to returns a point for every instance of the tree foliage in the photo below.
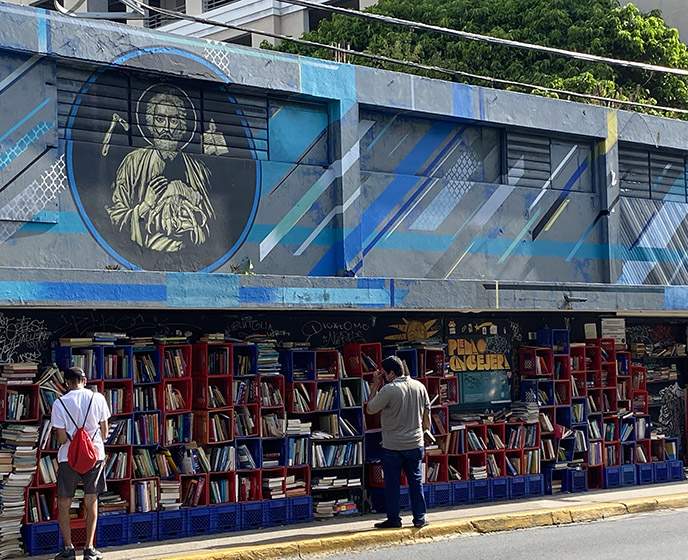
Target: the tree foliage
pixel 600 27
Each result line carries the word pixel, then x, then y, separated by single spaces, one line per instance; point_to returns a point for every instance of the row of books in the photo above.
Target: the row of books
pixel 336 455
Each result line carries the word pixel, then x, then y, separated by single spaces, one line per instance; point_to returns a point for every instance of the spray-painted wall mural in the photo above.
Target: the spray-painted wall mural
pixel 104 164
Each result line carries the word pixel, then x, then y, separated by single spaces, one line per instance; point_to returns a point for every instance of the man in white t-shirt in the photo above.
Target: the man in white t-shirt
pixel 90 410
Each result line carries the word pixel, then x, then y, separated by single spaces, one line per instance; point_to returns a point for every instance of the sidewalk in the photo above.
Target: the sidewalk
pixel 356 533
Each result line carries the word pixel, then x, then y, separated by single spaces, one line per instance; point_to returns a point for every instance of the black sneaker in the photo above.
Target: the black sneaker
pixel 66 554
pixel 387 524
pixel 92 554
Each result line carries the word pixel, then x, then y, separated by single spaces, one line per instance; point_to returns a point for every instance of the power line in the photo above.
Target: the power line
pixel 487 38
pixel 380 58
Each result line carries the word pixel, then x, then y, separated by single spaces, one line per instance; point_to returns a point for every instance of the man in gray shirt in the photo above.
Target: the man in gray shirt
pixel 405 408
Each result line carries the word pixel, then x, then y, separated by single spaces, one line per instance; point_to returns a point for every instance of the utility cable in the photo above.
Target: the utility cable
pixel 487 38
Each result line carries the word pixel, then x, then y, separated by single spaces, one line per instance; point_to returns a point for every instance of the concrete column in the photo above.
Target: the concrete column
pixel 607 179
pixel 194 7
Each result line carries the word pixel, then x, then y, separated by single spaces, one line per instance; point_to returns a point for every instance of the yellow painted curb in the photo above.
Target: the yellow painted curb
pixel 676 501
pixel 596 511
pixel 638 505
pixel 362 540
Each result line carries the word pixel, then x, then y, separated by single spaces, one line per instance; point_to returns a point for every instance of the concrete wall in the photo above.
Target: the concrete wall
pixel 432 194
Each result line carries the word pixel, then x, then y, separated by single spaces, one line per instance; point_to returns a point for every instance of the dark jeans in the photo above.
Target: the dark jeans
pixel 410 461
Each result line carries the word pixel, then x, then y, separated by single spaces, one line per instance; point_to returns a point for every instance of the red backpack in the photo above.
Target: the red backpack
pixel 82 455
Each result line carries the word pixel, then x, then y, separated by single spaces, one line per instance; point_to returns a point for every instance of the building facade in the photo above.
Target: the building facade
pixel 177 161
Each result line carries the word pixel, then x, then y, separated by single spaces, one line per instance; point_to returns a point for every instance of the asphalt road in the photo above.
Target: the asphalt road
pixel 659 535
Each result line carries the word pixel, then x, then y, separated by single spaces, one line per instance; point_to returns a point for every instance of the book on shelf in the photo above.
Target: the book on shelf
pixel 144 368
pixel 223 458
pixel 174 399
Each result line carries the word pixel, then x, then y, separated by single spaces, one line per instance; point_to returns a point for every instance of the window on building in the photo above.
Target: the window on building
pixel 548 162
pixel 155 20
pixel 244 39
pixel 316 16
pixel 645 173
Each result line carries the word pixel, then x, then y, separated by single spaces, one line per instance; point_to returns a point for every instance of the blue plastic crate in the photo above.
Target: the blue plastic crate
pixel 676 470
pixel 225 518
pixel 300 510
pixel 441 494
pixel 499 489
pixel 645 473
pixel 535 485
pixel 42 538
pixel 251 515
pixel 518 487
pixel 576 480
pixel 377 499
pixel 172 524
pixel 199 521
pixel 482 491
pixel 275 512
pixel 612 477
pixel 112 530
pixel 628 475
pixel 143 527
pixel 661 471
pixel 462 492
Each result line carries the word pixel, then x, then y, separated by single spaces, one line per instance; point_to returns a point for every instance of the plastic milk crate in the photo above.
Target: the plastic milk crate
pixel 628 475
pixel 172 524
pixel 675 470
pixel 143 527
pixel 499 489
pixel 441 494
pixel 42 538
pixel 482 491
pixel 275 512
pixel 576 480
pixel 661 471
pixel 645 473
pixel 251 515
pixel 612 477
pixel 300 509
pixel 462 492
pixel 518 487
pixel 225 518
pixel 535 485
pixel 112 530
pixel 199 521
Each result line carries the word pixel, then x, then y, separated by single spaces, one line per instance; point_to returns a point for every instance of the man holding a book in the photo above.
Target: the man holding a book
pixel 405 408
pixel 90 410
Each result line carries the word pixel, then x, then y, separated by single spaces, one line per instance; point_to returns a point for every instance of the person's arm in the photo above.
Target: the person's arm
pixel 104 428
pixel 376 401
pixel 426 419
pixel 62 437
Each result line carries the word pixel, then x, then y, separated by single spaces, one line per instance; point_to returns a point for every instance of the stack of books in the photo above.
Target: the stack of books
pixel 273 487
pixel 170 494
pixel 111 503
pixel 268 356
pixel 21 441
pixel 22 373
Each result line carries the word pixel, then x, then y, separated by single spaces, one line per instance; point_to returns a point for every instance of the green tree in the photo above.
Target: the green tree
pixel 598 27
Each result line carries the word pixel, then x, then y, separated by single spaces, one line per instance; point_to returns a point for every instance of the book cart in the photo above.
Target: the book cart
pixel 212 436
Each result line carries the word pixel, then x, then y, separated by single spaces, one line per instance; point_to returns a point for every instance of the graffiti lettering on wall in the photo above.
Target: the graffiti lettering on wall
pixel 335 333
pixel 472 355
pixel 413 330
pixel 247 325
pixel 22 339
pixel 164 174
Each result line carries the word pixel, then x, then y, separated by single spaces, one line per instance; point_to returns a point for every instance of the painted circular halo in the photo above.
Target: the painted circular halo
pixel 164 173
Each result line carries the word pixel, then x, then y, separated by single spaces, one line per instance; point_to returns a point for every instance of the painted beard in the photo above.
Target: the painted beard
pixel 168 147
